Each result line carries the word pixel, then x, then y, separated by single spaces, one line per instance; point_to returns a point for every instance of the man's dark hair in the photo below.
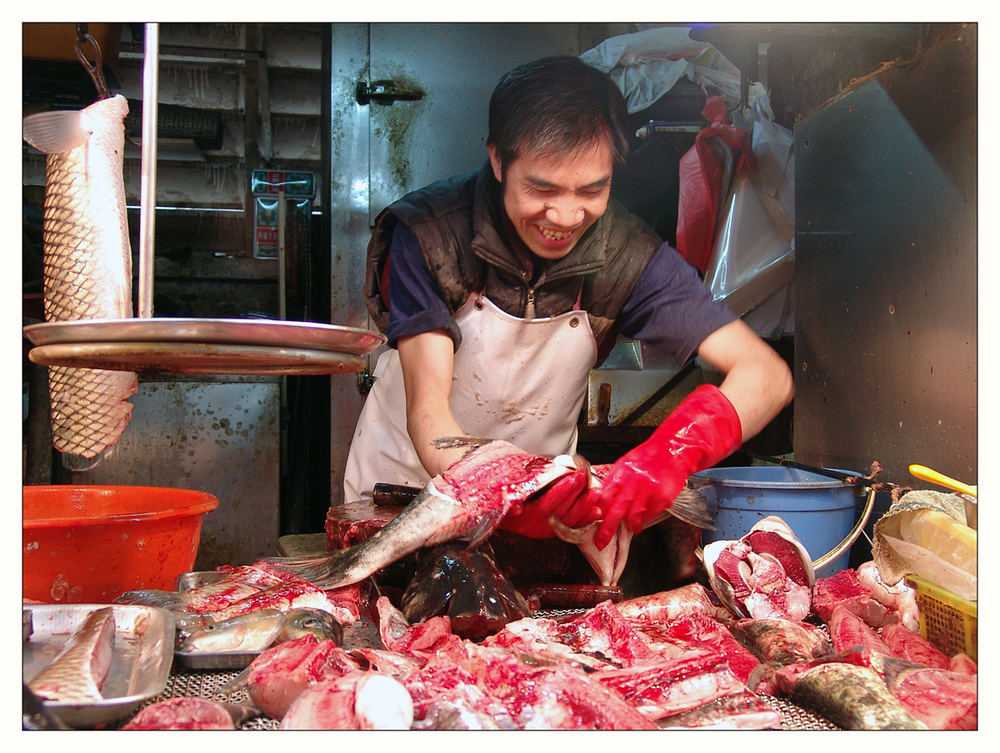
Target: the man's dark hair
pixel 553 106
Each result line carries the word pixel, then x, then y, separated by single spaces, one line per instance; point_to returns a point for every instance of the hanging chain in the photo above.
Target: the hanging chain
pixel 96 70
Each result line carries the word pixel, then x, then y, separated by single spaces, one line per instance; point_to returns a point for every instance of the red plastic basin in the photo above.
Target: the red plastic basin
pixel 90 544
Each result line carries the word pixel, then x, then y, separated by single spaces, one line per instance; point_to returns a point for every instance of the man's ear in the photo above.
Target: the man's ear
pixel 495 162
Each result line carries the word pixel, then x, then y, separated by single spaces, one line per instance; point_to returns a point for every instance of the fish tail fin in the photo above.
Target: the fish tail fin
pixel 334 570
pixel 55 131
pixel 173 600
pixel 691 506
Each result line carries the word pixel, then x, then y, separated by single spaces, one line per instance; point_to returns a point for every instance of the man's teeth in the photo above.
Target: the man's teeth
pixel 552 235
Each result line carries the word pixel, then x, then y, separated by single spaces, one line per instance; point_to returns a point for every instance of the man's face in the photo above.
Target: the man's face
pixel 552 201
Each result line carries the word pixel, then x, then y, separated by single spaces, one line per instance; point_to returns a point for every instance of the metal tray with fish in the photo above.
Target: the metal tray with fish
pixel 253 631
pixel 216 661
pixel 142 656
pixel 197 660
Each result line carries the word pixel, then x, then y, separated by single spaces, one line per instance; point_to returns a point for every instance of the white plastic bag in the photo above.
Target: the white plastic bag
pixel 647 64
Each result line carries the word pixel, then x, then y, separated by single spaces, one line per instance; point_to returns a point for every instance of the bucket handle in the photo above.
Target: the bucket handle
pixel 851 537
pixel 842 547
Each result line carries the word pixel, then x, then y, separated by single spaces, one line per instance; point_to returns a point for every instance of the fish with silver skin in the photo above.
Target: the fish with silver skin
pixel 87 263
pixel 79 670
pixel 244 633
pixel 254 631
pixel 467 501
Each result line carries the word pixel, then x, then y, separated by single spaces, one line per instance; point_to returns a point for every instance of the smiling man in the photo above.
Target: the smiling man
pixel 499 290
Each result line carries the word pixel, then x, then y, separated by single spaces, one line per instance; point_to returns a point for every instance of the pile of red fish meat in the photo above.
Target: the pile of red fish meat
pixel 675 659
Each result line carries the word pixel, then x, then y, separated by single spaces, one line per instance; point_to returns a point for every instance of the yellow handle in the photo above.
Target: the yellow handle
pixel 927 474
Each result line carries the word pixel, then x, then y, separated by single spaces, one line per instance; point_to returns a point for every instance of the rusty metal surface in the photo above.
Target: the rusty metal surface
pixel 214 434
pixel 196 358
pixel 281 333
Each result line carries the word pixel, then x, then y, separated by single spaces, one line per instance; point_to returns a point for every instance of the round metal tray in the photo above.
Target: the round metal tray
pixel 196 358
pixel 261 332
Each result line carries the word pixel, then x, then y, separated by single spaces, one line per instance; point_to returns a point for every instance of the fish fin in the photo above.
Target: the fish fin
pixel 691 506
pixel 483 531
pixel 325 571
pixel 238 683
pixel 173 600
pixel 241 712
pixel 55 131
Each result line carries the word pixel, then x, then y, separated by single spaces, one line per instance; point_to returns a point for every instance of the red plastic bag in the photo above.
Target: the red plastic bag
pixel 702 173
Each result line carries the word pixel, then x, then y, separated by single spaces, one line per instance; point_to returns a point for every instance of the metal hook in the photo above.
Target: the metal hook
pixel 95 70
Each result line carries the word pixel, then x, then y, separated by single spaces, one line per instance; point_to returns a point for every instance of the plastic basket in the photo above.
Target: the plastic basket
pixel 946 620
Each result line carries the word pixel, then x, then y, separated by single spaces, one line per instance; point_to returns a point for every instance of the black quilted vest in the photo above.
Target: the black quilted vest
pixel 456 223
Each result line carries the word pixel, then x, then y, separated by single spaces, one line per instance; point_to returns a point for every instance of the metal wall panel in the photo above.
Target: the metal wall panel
pixel 456 66
pixel 219 437
pixel 379 152
pixel 886 332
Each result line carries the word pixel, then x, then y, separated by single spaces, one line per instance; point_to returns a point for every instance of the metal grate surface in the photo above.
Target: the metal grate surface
pixel 208 684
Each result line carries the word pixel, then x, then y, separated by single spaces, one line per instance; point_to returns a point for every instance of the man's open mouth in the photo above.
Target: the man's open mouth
pixel 555 235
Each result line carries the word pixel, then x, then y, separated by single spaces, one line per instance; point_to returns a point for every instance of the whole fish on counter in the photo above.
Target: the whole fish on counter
pixel 87 263
pixel 467 501
pixel 254 631
pixel 78 672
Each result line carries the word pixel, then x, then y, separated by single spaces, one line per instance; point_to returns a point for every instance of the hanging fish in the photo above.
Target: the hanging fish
pixel 87 263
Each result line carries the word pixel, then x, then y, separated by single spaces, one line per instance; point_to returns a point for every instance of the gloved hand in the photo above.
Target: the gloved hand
pixel 641 484
pixel 567 499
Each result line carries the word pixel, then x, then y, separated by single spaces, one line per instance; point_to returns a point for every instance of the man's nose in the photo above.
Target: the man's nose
pixel 563 212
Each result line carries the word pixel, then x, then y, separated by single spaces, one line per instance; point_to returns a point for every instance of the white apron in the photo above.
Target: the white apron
pixel 522 380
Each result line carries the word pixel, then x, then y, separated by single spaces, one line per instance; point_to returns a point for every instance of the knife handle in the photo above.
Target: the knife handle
pixel 393 495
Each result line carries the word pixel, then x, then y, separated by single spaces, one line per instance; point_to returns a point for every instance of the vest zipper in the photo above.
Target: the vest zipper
pixel 529 306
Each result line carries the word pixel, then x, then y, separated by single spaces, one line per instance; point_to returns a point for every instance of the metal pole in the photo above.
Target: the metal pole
pixel 147 192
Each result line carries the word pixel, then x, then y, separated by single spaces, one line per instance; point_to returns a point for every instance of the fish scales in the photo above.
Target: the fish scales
pixel 87 263
pixel 852 697
pixel 78 672
pixel 466 502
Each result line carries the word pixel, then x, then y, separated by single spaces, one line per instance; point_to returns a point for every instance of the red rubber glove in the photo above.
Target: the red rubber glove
pixel 567 499
pixel 698 433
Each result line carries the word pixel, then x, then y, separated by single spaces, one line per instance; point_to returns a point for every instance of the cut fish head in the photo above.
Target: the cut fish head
pixel 772 541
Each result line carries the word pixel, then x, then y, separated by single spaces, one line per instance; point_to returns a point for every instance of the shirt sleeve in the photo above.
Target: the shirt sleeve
pixel 415 306
pixel 671 309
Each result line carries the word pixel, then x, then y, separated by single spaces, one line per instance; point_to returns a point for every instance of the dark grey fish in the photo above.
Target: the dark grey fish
pixel 851 697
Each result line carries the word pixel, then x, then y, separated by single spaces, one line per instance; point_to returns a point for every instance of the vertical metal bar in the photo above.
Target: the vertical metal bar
pixel 282 278
pixel 147 189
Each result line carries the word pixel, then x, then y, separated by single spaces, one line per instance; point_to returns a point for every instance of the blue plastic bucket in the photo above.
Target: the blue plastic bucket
pixel 820 510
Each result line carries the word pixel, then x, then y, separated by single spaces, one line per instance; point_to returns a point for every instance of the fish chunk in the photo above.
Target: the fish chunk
pixel 78 672
pixel 190 714
pixel 360 700
pixel 87 263
pixel 851 697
